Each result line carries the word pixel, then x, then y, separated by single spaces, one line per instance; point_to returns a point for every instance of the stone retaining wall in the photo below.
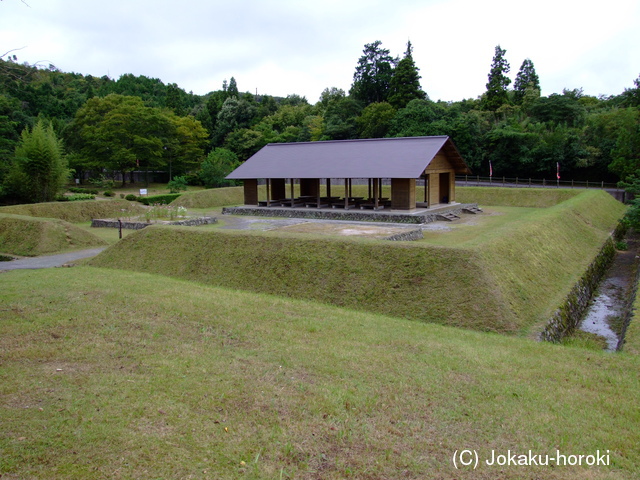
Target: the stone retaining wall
pixel 407 236
pixel 566 319
pixel 349 215
pixel 110 223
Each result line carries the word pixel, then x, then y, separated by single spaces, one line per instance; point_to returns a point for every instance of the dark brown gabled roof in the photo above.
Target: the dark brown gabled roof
pixel 406 157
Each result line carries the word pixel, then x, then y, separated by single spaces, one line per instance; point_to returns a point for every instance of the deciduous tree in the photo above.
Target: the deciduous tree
pixel 375 120
pixel 120 133
pixel 219 163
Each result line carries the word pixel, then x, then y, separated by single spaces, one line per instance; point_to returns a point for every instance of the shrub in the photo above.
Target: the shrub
pixel 81 196
pixel 159 199
pixel 218 164
pixel 75 197
pixel 131 197
pixel 102 182
pixel 178 184
pixel 109 193
pixel 91 191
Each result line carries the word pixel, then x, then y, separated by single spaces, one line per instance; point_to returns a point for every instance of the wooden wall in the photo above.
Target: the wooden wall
pixel 309 187
pixel 251 191
pixel 278 189
pixel 442 181
pixel 403 193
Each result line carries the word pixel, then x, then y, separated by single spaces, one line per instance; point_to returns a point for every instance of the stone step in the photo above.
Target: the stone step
pixel 449 217
pixel 472 210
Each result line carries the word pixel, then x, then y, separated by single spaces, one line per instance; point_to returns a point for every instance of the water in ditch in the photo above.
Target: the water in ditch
pixel 607 308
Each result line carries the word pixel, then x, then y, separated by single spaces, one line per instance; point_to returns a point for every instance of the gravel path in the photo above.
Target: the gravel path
pixel 49 261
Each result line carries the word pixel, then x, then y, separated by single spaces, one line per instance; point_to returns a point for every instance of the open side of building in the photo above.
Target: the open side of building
pixel 403 161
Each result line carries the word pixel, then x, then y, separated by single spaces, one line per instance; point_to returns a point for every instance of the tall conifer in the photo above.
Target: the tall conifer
pixel 405 83
pixel 496 94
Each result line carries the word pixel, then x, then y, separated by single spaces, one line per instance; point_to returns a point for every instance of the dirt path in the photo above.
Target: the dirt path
pixel 49 261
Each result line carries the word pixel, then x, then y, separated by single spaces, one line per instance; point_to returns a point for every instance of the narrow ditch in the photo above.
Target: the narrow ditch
pixel 610 309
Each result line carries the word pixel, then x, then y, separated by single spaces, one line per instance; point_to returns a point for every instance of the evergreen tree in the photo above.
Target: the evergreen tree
pixel 39 171
pixel 527 78
pixel 496 94
pixel 405 83
pixel 373 74
pixel 232 90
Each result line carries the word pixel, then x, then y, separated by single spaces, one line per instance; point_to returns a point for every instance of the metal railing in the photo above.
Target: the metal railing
pixel 476 180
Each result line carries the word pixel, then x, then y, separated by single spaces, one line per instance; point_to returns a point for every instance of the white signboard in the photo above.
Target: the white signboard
pixel 143 191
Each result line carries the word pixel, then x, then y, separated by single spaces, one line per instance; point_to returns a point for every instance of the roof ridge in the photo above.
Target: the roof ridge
pixel 357 140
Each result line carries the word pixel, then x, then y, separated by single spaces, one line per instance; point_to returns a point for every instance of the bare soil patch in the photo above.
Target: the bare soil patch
pixel 346 229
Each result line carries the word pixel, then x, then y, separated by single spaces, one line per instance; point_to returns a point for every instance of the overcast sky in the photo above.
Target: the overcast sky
pixel 282 47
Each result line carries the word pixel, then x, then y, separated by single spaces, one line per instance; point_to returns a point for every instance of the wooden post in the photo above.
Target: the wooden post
pixel 268 192
pixel 426 200
pixel 350 188
pixel 375 193
pixel 346 193
pixel 292 193
pixel 369 190
pixel 329 187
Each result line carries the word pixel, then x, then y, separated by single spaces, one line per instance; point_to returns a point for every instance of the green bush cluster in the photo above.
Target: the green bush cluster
pixel 75 197
pixel 159 199
pixel 109 193
pixel 131 197
pixel 91 191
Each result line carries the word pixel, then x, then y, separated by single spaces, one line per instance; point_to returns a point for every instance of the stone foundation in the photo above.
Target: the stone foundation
pixel 419 217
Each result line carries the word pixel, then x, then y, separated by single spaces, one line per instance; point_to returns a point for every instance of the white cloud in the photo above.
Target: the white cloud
pixel 287 46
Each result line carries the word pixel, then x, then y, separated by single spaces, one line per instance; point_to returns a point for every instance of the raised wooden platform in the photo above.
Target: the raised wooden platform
pixel 417 216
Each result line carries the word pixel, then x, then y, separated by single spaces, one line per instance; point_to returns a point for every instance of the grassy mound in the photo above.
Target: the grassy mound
pixel 213 197
pixel 106 375
pixel 536 261
pixel 32 236
pixel 430 284
pixel 80 211
pixel 515 197
pixel 511 278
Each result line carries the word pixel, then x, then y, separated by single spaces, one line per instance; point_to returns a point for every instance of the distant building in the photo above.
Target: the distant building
pixel 401 160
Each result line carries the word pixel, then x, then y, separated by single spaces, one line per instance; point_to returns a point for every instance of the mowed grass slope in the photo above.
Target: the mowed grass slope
pixel 505 279
pixel 209 198
pixel 80 211
pixel 405 280
pixel 31 236
pixel 536 260
pixel 142 376
pixel 515 197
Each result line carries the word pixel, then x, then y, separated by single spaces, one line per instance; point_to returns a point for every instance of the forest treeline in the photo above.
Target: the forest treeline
pixel 100 126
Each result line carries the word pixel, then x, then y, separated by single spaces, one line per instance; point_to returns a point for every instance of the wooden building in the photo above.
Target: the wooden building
pixel 402 161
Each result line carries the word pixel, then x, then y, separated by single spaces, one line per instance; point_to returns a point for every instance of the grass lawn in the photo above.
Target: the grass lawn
pixel 131 375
